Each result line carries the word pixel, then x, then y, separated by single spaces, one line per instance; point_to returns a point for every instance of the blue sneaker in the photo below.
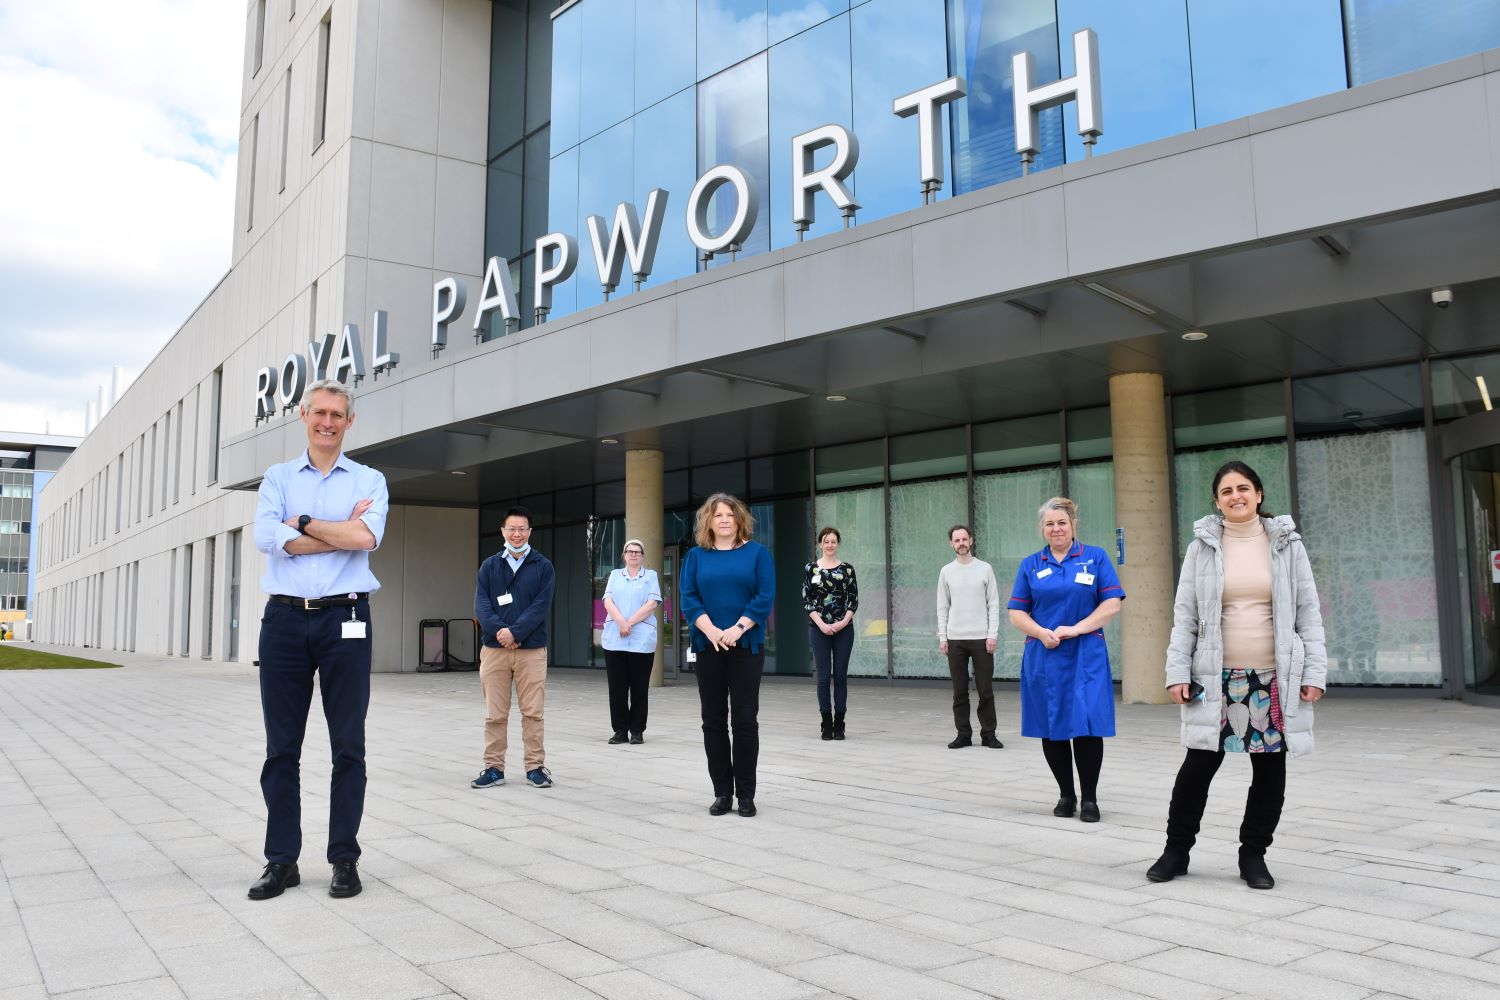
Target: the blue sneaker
pixel 488 778
pixel 539 777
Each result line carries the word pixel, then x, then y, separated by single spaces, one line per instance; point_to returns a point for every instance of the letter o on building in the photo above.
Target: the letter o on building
pixel 293 380
pixel 747 204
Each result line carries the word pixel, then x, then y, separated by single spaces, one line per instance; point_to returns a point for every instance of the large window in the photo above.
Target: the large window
pixel 733 128
pixel 921 514
pixel 859 516
pixel 1387 37
pixel 1250 57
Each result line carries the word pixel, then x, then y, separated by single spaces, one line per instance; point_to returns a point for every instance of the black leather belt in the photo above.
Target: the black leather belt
pixel 319 603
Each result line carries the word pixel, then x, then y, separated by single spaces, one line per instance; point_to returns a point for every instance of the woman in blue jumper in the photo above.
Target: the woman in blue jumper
pixel 728 584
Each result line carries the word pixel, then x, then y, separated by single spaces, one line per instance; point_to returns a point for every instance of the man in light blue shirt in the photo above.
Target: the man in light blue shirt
pixel 317 519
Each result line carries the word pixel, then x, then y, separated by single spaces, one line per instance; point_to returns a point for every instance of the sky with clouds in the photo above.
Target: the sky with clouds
pixel 120 128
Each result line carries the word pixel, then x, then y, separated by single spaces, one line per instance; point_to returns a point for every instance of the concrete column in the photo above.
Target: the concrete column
pixel 1143 507
pixel 643 517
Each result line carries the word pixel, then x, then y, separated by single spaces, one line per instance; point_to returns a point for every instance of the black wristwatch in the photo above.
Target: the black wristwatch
pixel 303 522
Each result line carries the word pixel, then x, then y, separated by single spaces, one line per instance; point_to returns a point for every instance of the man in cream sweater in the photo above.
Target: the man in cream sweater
pixel 968 624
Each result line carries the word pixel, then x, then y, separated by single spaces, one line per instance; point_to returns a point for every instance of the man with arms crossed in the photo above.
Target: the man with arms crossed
pixel 968 613
pixel 317 519
pixel 511 600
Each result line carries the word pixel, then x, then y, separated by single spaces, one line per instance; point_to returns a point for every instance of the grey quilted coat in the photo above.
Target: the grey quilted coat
pixel 1196 652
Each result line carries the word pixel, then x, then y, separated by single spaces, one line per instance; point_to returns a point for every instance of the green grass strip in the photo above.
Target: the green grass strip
pixel 14 657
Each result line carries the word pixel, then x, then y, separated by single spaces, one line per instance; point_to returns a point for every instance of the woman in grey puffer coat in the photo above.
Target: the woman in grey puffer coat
pixel 1246 630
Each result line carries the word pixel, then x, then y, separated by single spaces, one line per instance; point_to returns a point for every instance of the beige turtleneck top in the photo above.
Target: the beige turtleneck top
pixel 1249 640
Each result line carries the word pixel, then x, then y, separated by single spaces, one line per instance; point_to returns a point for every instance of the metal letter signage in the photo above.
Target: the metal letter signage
pixel 641 246
pixel 556 257
pixel 497 291
pixel 629 237
pixel 806 180
pixel 924 104
pixel 1082 87
pixel 351 357
pixel 747 204
pixel 447 304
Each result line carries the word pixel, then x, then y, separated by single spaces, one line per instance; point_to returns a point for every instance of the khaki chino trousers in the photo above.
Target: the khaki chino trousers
pixel 498 670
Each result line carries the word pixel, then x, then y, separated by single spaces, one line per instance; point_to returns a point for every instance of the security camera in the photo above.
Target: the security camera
pixel 1442 297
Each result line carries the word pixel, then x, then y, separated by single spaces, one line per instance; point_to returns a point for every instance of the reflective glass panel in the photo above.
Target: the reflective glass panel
pixel 1089 434
pixel 605 179
pixel 733 129
pixel 921 514
pixel 897 47
pixel 502 227
pixel 539 64
pixel 728 31
pixel 984 35
pixel 859 515
pixel 1195 477
pixel 1476 509
pixel 1363 400
pixel 1005 530
pixel 1366 519
pixel 664 31
pixel 507 73
pixel 1250 57
pixel 780 475
pixel 1144 65
pixel 1387 37
pixel 728 477
pixel 785 18
pixel 1091 487
pixel 570 629
pixel 666 157
pixel 782 526
pixel 1011 444
pixel 935 453
pixel 1465 386
pixel 534 213
pixel 567 44
pixel 562 216
pixel 810 86
pixel 1244 414
pixel 606 65
pixel 850 465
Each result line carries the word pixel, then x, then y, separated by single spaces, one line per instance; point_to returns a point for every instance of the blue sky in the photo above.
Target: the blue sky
pixel 120 129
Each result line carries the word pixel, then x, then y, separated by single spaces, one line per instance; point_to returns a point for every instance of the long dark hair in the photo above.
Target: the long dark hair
pixel 1235 465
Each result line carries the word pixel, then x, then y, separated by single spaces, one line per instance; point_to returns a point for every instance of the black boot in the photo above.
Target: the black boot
pixel 1254 871
pixel 1170 865
pixel 838 725
pixel 828 725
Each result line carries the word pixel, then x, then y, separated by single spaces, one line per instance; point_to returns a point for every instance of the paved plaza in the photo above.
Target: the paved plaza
pixel 885 866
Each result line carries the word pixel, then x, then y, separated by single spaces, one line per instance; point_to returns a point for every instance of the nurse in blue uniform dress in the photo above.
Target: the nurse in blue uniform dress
pixel 1061 599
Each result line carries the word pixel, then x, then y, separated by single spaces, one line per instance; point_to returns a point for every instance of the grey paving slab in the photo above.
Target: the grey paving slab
pixel 858 879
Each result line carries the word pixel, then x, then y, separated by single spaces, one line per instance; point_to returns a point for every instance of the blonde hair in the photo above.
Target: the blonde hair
pixel 1062 504
pixel 744 524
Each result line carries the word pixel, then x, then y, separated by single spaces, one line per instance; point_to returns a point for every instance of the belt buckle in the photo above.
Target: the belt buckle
pixel 307 604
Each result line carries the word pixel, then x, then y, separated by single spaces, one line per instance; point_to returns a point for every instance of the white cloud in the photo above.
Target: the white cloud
pixel 116 188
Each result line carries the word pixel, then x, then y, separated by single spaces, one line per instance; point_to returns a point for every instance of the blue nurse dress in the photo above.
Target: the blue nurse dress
pixel 1067 691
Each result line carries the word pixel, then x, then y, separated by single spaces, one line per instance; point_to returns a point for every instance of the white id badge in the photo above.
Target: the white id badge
pixel 354 630
pixel 1043 574
pixel 504 599
pixel 692 657
pixel 1087 579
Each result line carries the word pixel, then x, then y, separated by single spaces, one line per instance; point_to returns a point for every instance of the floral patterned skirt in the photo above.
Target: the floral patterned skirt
pixel 1251 716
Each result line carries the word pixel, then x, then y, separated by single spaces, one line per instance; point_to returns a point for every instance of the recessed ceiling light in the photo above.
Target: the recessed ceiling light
pixel 834 397
pixel 1354 414
pixel 1195 335
pixel 609 440
pixel 458 472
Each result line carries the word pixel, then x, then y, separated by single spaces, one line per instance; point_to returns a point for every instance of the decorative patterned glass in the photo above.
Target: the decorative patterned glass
pixel 1005 506
pixel 1091 486
pixel 860 517
pixel 1194 471
pixel 921 514
pixel 1367 525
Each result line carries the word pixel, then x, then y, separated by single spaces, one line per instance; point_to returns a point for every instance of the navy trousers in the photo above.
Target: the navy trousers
pixel 830 655
pixel 294 645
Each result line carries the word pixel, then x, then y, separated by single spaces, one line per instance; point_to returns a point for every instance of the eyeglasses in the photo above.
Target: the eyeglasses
pixel 514 530
pixel 634 552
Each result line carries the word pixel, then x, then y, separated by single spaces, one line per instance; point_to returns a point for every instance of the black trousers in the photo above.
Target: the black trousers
pixel 1262 804
pixel 629 676
pixel 830 655
pixel 960 652
pixel 295 645
pixel 729 693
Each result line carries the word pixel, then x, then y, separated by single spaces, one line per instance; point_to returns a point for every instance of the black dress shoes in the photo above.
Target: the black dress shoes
pixel 1255 873
pixel 747 807
pixel 275 880
pixel 619 737
pixel 720 805
pixel 1065 806
pixel 345 880
pixel 637 738
pixel 993 743
pixel 1167 867
pixel 960 742
pixel 1088 811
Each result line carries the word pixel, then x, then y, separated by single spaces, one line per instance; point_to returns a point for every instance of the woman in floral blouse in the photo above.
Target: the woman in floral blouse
pixel 830 596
